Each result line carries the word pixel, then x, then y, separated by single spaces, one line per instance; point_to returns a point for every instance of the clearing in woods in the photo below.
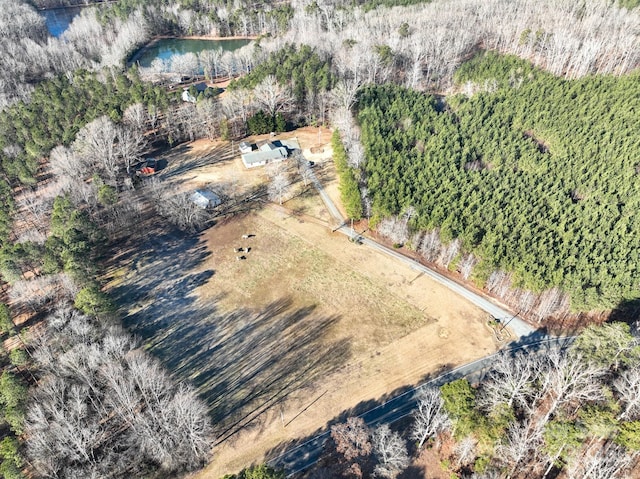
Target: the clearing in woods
pixel 307 328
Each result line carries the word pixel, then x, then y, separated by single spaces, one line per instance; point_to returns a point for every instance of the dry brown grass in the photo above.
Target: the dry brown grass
pixel 308 328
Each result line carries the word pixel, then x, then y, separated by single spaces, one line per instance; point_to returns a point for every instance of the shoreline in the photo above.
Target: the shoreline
pixel 207 37
pixel 79 5
pixel 157 38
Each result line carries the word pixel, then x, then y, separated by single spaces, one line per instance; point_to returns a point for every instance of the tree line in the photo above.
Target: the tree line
pixel 305 74
pixel 420 46
pixel 104 408
pixel 217 18
pixel 349 189
pixel 534 175
pixel 59 108
pixel 534 414
pixel 94 127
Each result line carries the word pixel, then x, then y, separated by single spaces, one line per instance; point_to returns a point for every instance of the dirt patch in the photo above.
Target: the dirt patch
pixel 307 327
pixel 433 462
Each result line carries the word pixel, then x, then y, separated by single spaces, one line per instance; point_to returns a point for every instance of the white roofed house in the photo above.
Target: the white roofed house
pixel 205 199
pixel 265 155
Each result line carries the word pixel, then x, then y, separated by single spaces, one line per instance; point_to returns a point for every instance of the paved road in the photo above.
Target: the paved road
pixel 308 453
pixel 517 325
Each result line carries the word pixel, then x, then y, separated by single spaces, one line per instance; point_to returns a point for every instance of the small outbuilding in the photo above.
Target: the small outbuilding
pixel 205 199
pixel 246 147
pixel 191 93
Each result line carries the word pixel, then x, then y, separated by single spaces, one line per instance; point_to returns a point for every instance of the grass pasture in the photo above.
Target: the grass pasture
pixel 307 327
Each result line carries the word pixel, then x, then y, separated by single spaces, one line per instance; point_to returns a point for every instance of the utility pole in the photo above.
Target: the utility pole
pixel 507 323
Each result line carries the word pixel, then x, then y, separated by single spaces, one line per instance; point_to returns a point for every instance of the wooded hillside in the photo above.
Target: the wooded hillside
pixel 536 175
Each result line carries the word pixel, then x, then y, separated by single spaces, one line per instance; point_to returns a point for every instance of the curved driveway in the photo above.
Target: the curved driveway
pixel 517 325
pixel 306 454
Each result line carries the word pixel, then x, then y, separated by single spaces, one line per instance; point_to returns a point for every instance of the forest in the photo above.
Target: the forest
pixel 536 175
pixel 58 109
pixel 302 68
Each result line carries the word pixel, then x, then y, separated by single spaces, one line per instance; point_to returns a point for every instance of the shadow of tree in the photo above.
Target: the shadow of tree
pixel 242 362
pixel 393 408
pixel 627 311
pixel 412 472
pixel 297 455
pixel 180 160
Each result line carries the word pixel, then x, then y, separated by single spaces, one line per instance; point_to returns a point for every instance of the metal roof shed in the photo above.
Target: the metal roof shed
pixel 205 199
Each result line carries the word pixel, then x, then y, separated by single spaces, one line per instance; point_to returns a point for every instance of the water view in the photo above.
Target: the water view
pixel 59 19
pixel 167 47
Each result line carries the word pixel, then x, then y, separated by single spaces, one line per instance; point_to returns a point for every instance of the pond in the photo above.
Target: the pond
pixel 165 48
pixel 59 19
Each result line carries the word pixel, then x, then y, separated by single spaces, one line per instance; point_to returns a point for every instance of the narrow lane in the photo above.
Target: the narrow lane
pixel 517 325
pixel 305 455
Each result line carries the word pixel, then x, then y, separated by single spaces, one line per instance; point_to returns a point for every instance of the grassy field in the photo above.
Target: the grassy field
pixel 308 328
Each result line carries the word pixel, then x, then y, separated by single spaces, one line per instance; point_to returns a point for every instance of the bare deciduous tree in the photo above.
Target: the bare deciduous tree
pixel 510 381
pixel 135 116
pixel 178 208
pixel 449 252
pixel 567 378
pixel 628 387
pixel 304 168
pixel 391 451
pixel 186 64
pixel 35 209
pixel 37 291
pixel 99 393
pixel 467 264
pixel 499 282
pixel 394 228
pixel 430 245
pixel 272 96
pixel 95 142
pixel 210 60
pixel 550 302
pixel 66 163
pixel 279 185
pixel 131 143
pixel 430 418
pixel 607 461
pixel 523 441
pixel 466 450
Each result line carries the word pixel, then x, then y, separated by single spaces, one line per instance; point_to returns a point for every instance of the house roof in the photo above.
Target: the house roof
pixel 268 146
pixel 200 87
pixel 204 198
pixel 263 156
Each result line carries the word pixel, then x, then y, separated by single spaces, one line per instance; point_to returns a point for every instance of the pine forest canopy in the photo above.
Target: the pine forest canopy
pixel 537 175
pixel 302 67
pixel 58 108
